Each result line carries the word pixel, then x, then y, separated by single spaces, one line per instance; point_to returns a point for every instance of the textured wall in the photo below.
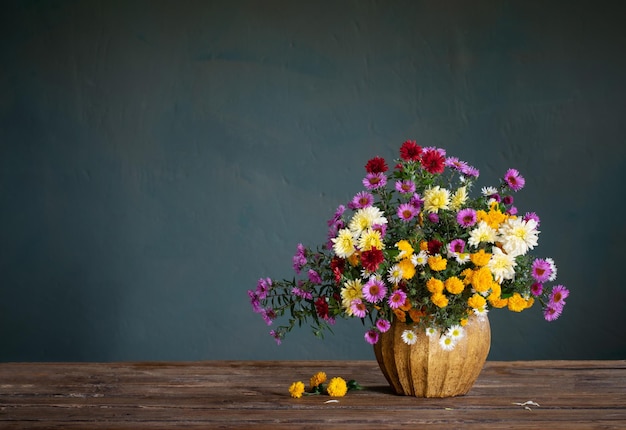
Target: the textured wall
pixel 157 158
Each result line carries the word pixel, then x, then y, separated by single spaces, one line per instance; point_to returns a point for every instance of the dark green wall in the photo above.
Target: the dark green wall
pixel 157 158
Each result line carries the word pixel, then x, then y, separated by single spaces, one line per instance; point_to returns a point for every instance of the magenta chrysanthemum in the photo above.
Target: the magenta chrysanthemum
pixel 263 287
pixel 374 181
pixel 299 292
pixel 397 299
pixel 416 201
pixel 541 270
pixel 405 187
pixel 536 288
pixel 532 215
pixel 374 290
pixel 471 171
pixel 314 277
pixel 514 180
pixel 383 325
pixel 466 217
pixel 457 246
pixel 407 211
pixel 299 260
pixel 362 200
pixel 371 336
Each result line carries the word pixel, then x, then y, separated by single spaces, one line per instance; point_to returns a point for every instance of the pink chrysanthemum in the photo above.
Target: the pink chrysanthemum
pixel 397 299
pixel 373 181
pixel 406 212
pixel 514 180
pixel 263 287
pixel 457 246
pixel 541 270
pixel 471 171
pixel 550 313
pixel 405 187
pixel 358 308
pixel 371 336
pixel 374 290
pixel 466 217
pixel 363 199
pixel 558 295
pixel 383 325
pixel 456 164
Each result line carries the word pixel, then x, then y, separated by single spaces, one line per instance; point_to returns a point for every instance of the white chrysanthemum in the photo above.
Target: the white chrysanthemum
pixel 431 331
pixel 462 257
pixel 409 337
pixel 420 259
pixel 489 191
pixel 447 343
pixel 482 233
pixel 458 198
pixel 501 265
pixel 365 218
pixel 436 198
pixel 481 312
pixel 553 267
pixel 518 236
pixel 456 332
pixel 343 244
pixel 394 274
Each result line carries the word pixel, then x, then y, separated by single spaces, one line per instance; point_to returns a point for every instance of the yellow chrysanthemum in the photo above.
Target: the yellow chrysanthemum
pixel 436 199
pixel 467 276
pixel 408 270
pixel 318 378
pixel 370 239
pixel 439 300
pixel 464 322
pixel 476 301
pixel 296 389
pixel 517 303
pixel 406 250
pixel 434 286
pixel 480 258
pixel 343 244
pixel 493 218
pixel 454 285
pixel 482 279
pixel 352 289
pixel 437 263
pixel 498 302
pixel 458 198
pixel 337 387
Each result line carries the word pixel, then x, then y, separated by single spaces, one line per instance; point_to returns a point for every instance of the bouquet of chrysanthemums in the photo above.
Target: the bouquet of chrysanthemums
pixel 415 247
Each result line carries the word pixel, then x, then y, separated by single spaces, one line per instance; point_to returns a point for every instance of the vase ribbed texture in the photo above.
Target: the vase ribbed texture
pixel 424 369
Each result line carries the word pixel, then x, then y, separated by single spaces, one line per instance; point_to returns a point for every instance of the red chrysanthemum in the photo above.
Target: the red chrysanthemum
pixel 434 246
pixel 370 260
pixel 433 162
pixel 321 306
pixel 337 266
pixel 410 151
pixel 376 165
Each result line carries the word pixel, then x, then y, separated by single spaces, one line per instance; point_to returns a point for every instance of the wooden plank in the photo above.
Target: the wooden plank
pixel 241 394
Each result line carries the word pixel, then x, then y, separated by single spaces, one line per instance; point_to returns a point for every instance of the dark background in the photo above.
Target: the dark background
pixel 157 158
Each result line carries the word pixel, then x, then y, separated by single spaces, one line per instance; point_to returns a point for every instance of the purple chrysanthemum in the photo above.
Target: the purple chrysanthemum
pixel 268 315
pixel 405 187
pixel 299 260
pixel 507 200
pixel 263 287
pixel 358 308
pixel 532 215
pixel 512 211
pixel 541 270
pixel 514 180
pixel 383 325
pixel 373 181
pixel 254 301
pixel 471 171
pixel 299 292
pixel 536 288
pixel 371 336
pixel 363 199
pixel 406 212
pixel 550 313
pixel 338 213
pixel 456 164
pixel 397 299
pixel 416 201
pixel 374 290
pixel 466 217
pixel 277 336
pixel 314 277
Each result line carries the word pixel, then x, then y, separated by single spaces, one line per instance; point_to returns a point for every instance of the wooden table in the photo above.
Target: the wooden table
pixel 245 394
